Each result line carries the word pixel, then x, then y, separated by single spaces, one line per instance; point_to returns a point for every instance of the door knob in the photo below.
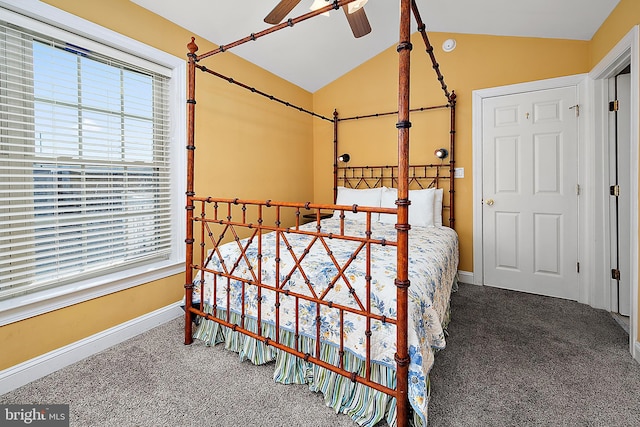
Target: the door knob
pixel 489 202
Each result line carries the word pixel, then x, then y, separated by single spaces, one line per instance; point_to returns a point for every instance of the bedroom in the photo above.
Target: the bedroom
pixel 560 58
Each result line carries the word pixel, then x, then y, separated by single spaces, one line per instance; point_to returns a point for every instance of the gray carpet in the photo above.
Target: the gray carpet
pixel 512 359
pixel 515 359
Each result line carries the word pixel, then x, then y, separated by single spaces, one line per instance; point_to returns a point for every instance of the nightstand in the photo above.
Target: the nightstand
pixel 323 215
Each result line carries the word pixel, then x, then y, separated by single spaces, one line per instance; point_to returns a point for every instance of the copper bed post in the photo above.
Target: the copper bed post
pixel 402 227
pixel 335 156
pixel 191 109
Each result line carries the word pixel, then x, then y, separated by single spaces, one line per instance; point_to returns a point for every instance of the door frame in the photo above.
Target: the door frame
pixel 577 81
pixel 625 52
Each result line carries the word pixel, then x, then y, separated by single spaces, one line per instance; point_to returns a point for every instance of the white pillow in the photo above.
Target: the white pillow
pixel 421 210
pixel 389 196
pixel 422 205
pixel 437 210
pixel 361 197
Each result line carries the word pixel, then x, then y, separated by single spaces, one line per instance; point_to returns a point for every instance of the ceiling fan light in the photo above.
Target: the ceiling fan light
pixel 356 5
pixel 318 4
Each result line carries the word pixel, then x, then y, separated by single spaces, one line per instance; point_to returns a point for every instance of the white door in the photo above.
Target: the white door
pixel 530 192
pixel 620 205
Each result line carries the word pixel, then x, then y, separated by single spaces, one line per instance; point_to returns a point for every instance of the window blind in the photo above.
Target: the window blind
pixel 84 163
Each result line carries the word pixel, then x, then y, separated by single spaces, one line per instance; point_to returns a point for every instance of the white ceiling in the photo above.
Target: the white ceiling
pixel 315 52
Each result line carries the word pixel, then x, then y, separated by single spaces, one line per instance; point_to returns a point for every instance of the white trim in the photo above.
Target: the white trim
pixel 106 38
pixel 626 51
pixel 617 57
pixel 478 96
pixel 585 180
pixel 636 354
pixel 38 367
pixel 31 305
pixel 41 302
pixel 466 277
pixel 476 156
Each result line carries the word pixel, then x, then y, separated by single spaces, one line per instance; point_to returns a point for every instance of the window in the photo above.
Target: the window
pixel 88 163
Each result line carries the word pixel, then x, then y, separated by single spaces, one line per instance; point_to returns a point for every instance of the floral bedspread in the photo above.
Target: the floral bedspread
pixel 306 268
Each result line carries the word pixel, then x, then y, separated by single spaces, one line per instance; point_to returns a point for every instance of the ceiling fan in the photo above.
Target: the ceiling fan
pixel 354 12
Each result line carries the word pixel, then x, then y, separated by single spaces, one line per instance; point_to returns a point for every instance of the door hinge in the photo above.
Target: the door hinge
pixel 577 189
pixel 614 105
pixel 577 108
pixel 614 190
pixel 615 274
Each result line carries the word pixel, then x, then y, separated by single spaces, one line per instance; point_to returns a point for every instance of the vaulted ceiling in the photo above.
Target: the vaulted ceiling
pixel 315 52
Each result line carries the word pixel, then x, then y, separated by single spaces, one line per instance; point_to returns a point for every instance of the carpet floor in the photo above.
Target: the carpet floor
pixel 512 359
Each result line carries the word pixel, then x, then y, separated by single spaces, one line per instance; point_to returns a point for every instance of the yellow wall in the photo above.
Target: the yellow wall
pixel 33 337
pixel 237 132
pixel 615 27
pixel 477 62
pixel 624 17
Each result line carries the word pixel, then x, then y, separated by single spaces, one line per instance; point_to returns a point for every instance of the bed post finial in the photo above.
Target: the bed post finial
pixel 192 46
pixel 452 97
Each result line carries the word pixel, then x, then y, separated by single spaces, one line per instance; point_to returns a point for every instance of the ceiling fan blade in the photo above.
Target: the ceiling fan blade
pixel 357 21
pixel 281 10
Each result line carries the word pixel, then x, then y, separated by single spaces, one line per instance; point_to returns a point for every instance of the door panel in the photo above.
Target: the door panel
pixel 547 164
pixel 547 243
pixel 507 240
pixel 506 160
pixel 530 207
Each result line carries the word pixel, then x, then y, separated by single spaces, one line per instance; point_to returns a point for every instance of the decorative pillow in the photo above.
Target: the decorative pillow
pixel 361 197
pixel 421 210
pixel 437 210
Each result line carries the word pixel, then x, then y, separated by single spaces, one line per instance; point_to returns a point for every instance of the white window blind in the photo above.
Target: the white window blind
pixel 85 185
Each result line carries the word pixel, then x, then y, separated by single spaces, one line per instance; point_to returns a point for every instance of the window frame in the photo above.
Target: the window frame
pixel 47 19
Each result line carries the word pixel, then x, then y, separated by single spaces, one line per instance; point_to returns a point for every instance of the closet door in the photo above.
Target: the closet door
pixel 530 193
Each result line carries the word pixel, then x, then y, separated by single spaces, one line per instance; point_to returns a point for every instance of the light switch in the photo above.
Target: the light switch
pixel 458 172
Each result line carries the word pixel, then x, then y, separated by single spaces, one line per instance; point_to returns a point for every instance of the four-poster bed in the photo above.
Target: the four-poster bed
pixel 344 304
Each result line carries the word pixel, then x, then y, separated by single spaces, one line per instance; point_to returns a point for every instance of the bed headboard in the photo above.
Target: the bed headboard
pixel 420 177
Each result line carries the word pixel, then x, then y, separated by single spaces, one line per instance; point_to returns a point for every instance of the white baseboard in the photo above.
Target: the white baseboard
pixel 25 372
pixel 465 277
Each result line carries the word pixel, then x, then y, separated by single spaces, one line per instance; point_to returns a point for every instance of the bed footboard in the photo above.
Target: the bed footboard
pixel 238 281
pixel 282 282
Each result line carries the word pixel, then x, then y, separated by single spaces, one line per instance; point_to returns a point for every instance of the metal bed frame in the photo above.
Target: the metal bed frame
pixel 256 217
